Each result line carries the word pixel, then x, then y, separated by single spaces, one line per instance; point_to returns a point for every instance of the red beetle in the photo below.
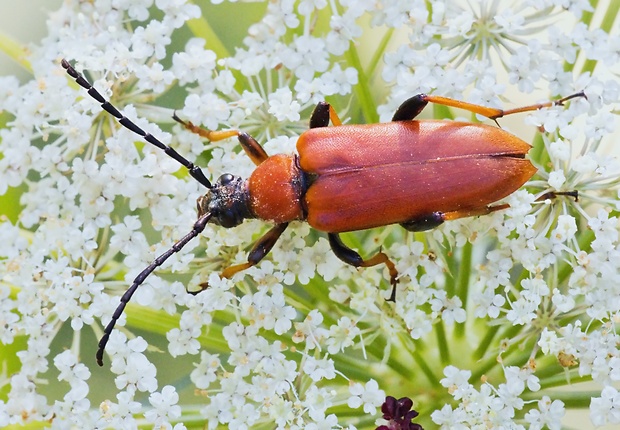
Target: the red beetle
pixel 416 173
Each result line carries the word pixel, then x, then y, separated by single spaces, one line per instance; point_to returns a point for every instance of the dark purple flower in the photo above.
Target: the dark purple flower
pixel 399 414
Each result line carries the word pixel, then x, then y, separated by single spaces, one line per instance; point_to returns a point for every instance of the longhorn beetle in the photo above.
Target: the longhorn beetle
pixel 416 173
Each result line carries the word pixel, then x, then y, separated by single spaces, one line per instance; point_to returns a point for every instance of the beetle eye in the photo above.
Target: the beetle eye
pixel 226 179
pixel 227 219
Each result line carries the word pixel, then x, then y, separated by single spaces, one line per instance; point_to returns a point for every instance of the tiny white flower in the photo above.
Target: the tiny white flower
pixel 342 335
pixel 205 371
pixel 153 78
pixel 556 179
pixel 549 414
pixel 165 407
pixel 319 369
pixel 282 105
pixel 368 395
pixel 606 409
pixel 138 374
pixel 566 228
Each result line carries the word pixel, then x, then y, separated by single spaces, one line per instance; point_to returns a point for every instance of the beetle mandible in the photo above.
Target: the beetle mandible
pixel 416 173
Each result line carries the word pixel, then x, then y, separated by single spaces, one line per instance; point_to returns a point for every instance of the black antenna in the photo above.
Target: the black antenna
pixel 194 171
pixel 199 226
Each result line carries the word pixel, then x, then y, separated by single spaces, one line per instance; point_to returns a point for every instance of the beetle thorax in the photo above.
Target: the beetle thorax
pixel 276 188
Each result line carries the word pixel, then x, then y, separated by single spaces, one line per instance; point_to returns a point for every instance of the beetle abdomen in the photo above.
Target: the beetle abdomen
pixel 398 171
pixel 275 189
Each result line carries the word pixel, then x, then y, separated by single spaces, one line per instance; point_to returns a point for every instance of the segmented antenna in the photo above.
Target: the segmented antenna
pixel 199 226
pixel 194 170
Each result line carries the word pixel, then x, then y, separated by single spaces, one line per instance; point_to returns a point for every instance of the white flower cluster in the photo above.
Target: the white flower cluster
pixel 491 407
pixel 302 340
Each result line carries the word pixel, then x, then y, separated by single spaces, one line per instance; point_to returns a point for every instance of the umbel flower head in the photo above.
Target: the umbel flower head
pixel 492 314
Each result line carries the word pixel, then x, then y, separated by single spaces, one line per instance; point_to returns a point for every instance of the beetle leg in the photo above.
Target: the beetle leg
pixel 426 222
pixel 435 219
pixel 553 194
pixel 410 108
pixel 322 114
pixel 260 249
pixel 464 213
pixel 347 255
pixel 252 148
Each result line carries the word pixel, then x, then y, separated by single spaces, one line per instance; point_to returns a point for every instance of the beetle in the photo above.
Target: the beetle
pixel 416 173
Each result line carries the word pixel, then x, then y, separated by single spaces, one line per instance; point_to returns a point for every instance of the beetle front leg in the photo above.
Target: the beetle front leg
pixel 252 148
pixel 347 255
pixel 260 249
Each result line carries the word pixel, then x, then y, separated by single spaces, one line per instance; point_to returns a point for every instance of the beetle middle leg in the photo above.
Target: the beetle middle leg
pixel 260 249
pixel 347 255
pixel 252 148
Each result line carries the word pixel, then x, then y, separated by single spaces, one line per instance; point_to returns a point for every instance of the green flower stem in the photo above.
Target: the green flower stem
pixel 442 342
pixel 538 153
pixel 550 372
pixel 442 112
pixel 462 291
pixel 482 368
pixel 200 27
pixel 362 89
pixel 571 399
pixel 15 51
pixel 485 343
pixel 420 358
pixel 376 58
pixel 160 322
pixel 451 265
pixel 562 378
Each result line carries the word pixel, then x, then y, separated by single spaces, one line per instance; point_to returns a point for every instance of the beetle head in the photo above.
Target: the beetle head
pixel 226 200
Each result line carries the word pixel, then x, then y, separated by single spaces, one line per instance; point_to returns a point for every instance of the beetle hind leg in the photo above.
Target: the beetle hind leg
pixel 465 213
pixel 347 255
pixel 411 107
pixel 428 222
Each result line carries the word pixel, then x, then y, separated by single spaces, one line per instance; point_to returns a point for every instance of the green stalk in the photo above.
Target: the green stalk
pixel 362 89
pixel 462 285
pixel 376 58
pixel 15 51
